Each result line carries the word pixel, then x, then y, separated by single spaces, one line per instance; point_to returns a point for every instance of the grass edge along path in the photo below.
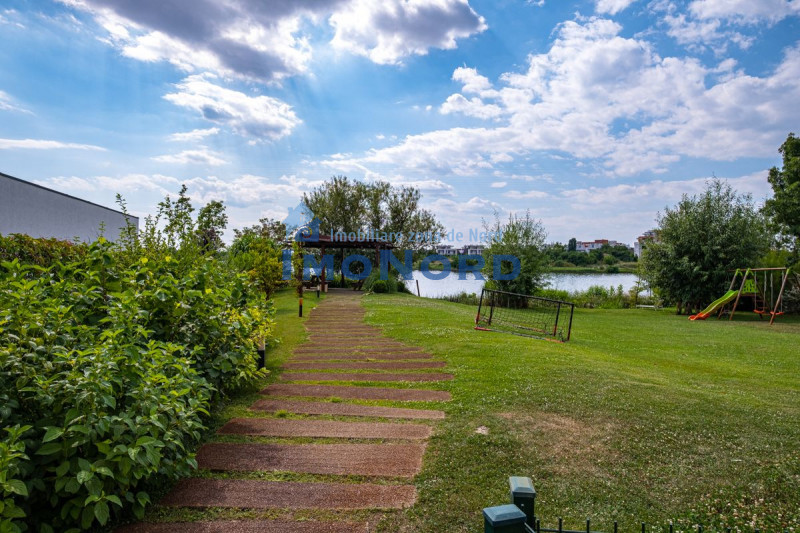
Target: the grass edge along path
pixel 642 416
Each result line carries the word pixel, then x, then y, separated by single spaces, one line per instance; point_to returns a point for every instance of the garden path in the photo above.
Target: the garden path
pixel 321 423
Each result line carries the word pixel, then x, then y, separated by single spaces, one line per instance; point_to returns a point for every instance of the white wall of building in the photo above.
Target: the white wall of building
pixel 41 212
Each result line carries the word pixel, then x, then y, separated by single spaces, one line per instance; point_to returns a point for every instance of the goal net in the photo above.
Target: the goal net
pixel 520 314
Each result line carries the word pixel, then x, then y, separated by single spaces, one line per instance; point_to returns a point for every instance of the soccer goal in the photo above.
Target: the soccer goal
pixel 520 314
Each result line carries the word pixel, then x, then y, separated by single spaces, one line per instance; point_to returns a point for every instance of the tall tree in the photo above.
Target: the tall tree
pixel 522 237
pixel 266 227
pixel 572 245
pixel 211 223
pixel 784 206
pixel 347 205
pixel 700 241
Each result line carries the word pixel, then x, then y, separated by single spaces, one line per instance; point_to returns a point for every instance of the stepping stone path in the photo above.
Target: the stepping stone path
pixel 341 348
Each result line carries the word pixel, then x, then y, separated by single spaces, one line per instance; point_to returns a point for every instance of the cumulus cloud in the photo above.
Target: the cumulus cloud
pixel 43 144
pixel 390 30
pixel 249 190
pixel 269 41
pixel 194 135
pixel 261 117
pixel 745 11
pixel 202 156
pixel 612 7
pixel 611 100
pixel 120 184
pixel 706 33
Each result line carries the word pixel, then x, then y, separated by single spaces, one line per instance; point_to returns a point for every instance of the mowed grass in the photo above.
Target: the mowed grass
pixel 643 416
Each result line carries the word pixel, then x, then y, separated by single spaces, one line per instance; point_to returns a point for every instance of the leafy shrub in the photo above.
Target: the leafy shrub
pixel 462 298
pixel 40 252
pixel 389 285
pixel 553 294
pixel 380 286
pixel 107 370
pixel 12 453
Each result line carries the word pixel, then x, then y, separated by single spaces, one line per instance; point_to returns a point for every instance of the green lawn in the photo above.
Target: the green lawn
pixel 642 416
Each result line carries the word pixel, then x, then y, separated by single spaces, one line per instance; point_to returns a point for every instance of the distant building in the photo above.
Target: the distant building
pixel 470 249
pixel 588 246
pixel 642 240
pixel 446 249
pixel 41 212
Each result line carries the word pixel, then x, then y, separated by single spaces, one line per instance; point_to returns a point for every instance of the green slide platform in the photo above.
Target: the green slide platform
pixel 716 304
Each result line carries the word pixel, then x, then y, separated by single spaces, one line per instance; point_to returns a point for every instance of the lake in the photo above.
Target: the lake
pixel 566 282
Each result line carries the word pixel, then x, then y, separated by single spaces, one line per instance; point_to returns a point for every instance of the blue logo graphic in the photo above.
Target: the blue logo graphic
pixel 309 232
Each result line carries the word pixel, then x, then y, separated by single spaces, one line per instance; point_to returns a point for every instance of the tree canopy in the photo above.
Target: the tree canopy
pixel 522 237
pixel 700 241
pixel 347 205
pixel 784 206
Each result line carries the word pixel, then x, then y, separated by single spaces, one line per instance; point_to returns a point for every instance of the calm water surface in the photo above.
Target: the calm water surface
pixel 566 282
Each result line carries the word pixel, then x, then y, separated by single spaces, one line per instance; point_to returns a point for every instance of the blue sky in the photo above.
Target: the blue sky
pixel 593 114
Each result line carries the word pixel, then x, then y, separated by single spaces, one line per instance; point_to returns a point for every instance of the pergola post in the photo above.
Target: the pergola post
pixel 322 279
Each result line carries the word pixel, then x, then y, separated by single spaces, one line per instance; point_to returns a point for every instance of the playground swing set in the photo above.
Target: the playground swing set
pixel 757 283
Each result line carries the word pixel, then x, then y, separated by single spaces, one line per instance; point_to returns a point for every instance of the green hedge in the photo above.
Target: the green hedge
pixel 41 252
pixel 107 370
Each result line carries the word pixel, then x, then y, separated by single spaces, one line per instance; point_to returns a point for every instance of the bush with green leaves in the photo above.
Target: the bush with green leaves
pixel 700 242
pixel 107 370
pixel 41 252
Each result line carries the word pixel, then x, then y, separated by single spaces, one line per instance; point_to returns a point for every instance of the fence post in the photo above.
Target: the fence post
pixel 503 519
pixel 262 354
pixel 523 495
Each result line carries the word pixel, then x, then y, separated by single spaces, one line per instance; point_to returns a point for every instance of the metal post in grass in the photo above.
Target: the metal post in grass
pixel 480 304
pixel 571 312
pixel 503 519
pixel 558 313
pixel 523 495
pixel 262 354
pixel 493 297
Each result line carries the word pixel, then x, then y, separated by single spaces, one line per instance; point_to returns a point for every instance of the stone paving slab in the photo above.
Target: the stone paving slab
pixel 400 460
pixel 357 393
pixel 380 365
pixel 255 494
pixel 272 427
pixel 247 526
pixel 345 409
pixel 361 356
pixel 350 339
pixel 357 348
pixel 336 376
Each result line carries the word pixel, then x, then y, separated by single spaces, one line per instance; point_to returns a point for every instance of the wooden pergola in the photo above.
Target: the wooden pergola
pixel 324 242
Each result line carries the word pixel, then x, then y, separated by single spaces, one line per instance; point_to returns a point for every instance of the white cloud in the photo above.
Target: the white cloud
pixel 202 156
pixel 249 190
pixel 474 107
pixel 498 184
pixel 745 11
pixel 611 7
pixel 526 195
pixel 121 184
pixel 260 117
pixel 704 32
pixel 611 101
pixel 269 41
pixel 194 135
pixel 389 31
pixel 7 103
pixel 42 144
